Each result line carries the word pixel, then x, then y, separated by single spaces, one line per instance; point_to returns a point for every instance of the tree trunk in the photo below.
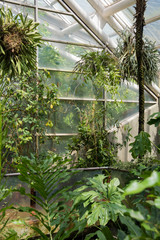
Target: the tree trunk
pixel 139 24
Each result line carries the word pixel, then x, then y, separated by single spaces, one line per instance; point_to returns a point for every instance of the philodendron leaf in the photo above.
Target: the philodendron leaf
pixel 154 119
pixel 141 145
pixel 138 186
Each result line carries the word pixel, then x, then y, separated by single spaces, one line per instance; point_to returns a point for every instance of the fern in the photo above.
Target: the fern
pixel 48 176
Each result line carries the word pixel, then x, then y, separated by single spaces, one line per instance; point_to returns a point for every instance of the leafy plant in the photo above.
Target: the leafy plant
pixel 144 221
pixel 100 67
pixel 138 58
pixel 26 109
pixel 18 42
pixel 49 177
pixel 126 53
pixel 154 119
pixel 99 202
pixel 141 145
pixel 94 145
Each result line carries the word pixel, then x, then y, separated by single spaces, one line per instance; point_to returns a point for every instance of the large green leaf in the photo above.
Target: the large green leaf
pixel 154 119
pixel 141 145
pixel 138 186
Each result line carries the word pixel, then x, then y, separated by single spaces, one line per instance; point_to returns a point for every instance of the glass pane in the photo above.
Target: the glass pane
pixel 63 27
pixel 152 31
pixel 85 5
pixel 67 115
pixel 130 91
pixel 28 2
pixel 16 198
pixel 60 56
pixel 153 9
pixel 70 85
pixel 20 9
pixel 117 112
pixel 53 4
pixel 127 15
pixel 56 144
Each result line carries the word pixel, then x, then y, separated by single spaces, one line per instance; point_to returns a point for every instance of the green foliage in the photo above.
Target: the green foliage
pixel 144 223
pixel 4 193
pixel 126 53
pixel 103 233
pixel 100 67
pixel 93 144
pixel 154 119
pixel 27 105
pixel 48 176
pixel 141 145
pixel 18 42
pixel 137 186
pixel 99 201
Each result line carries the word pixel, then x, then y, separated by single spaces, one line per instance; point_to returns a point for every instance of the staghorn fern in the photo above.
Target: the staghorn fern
pixel 126 53
pixel 18 43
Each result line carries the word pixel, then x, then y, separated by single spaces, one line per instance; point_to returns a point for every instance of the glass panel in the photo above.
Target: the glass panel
pixel 69 85
pixel 56 144
pixel 16 198
pixel 127 15
pixel 60 56
pixel 109 30
pixel 20 9
pixel 130 91
pixel 153 9
pixel 63 27
pixel 117 112
pixel 67 115
pixel 28 2
pixel 152 31
pixel 85 6
pixel 51 4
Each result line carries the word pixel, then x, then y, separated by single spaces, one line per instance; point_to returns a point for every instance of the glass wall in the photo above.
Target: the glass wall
pixel 64 40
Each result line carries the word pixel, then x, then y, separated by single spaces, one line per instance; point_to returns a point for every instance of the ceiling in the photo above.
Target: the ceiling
pixel 107 18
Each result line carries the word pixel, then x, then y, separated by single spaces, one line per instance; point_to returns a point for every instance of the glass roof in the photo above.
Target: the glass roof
pixel 110 17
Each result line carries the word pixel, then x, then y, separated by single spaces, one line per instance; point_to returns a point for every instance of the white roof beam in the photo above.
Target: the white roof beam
pixel 84 16
pixel 116 25
pixel 116 7
pixel 153 19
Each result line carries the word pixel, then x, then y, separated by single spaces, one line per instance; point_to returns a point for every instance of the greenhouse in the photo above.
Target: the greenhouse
pixel 79 119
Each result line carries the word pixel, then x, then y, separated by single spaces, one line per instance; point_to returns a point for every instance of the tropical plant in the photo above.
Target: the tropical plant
pixel 139 24
pixel 49 177
pixel 4 193
pixel 100 67
pixel 99 202
pixel 126 54
pixel 94 145
pixel 18 43
pixel 141 145
pixel 143 221
pixel 26 107
pixel 138 57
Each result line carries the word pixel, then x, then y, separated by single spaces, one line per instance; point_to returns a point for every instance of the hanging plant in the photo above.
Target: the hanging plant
pixel 18 43
pixel 100 68
pixel 126 53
